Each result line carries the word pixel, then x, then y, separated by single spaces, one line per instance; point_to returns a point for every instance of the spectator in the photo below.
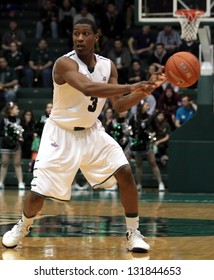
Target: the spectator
pixel 112 23
pixel 170 38
pixel 136 72
pixel 107 120
pixel 102 45
pixel 39 125
pixel 143 144
pixel 66 16
pixel 16 61
pixel 121 57
pixel 28 124
pixel 8 82
pixel 141 44
pixel 129 12
pixel 48 20
pixel 152 105
pixel 121 130
pixel 185 112
pixel 43 118
pixel 168 103
pixel 118 128
pixel 11 132
pixel 160 55
pixel 40 66
pixel 16 35
pixel 84 13
pixel 162 131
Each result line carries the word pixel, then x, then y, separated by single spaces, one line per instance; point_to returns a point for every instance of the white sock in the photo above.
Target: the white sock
pixel 132 223
pixel 27 221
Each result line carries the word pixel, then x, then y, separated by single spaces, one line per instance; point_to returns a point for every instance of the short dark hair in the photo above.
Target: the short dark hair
pixel 89 22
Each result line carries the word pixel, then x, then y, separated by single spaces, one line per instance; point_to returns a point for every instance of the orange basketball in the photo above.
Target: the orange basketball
pixel 182 69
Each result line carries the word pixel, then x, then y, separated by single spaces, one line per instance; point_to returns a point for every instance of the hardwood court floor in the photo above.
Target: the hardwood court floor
pixel 91 227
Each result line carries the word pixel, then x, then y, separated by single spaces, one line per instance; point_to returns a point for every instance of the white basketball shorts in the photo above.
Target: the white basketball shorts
pixel 62 153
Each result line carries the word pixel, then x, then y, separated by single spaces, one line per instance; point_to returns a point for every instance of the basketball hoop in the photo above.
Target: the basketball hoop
pixel 189 21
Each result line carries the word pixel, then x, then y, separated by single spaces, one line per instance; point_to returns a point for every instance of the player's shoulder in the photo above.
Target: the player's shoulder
pixel 64 62
pixel 70 54
pixel 102 58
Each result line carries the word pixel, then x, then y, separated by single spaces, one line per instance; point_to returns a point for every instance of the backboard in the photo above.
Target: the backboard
pixel 163 11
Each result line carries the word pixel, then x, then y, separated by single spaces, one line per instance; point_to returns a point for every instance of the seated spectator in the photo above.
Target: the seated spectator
pixel 8 83
pixel 28 124
pixel 48 20
pixel 168 103
pixel 129 12
pixel 14 35
pixel 141 44
pixel 16 61
pixel 102 45
pixel 66 16
pixel 152 104
pixel 150 99
pixel 40 66
pixel 170 38
pixel 168 84
pixel 121 57
pixel 136 72
pixel 159 55
pixel 185 112
pixel 84 13
pixel 107 120
pixel 112 22
pixel 162 131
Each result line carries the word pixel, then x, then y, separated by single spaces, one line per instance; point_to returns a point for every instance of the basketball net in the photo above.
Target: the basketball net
pixel 189 21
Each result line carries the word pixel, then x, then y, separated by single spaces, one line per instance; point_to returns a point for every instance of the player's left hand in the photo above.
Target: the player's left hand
pixel 158 78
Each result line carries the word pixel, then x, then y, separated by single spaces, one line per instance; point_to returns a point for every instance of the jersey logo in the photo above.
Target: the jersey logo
pixel 55 145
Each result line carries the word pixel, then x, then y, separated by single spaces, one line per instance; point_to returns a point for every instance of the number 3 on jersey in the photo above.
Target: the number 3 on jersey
pixel 93 106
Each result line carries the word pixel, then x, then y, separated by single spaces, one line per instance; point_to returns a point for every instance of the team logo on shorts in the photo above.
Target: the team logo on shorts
pixel 55 145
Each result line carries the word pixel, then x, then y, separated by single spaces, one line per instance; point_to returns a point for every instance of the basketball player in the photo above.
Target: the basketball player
pixel 74 138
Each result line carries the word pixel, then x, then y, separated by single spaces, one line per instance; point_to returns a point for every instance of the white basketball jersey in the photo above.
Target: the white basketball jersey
pixel 71 107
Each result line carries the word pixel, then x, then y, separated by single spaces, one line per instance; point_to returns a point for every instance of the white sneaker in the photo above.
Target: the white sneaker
pixel 161 187
pixel 135 242
pixel 21 186
pixel 80 188
pixel 113 188
pixel 1 186
pixel 139 187
pixel 12 237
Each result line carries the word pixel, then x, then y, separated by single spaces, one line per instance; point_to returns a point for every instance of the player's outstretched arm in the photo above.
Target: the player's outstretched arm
pixel 125 102
pixel 66 71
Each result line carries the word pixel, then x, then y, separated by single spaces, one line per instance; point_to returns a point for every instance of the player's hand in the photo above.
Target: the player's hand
pixel 144 87
pixel 158 78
